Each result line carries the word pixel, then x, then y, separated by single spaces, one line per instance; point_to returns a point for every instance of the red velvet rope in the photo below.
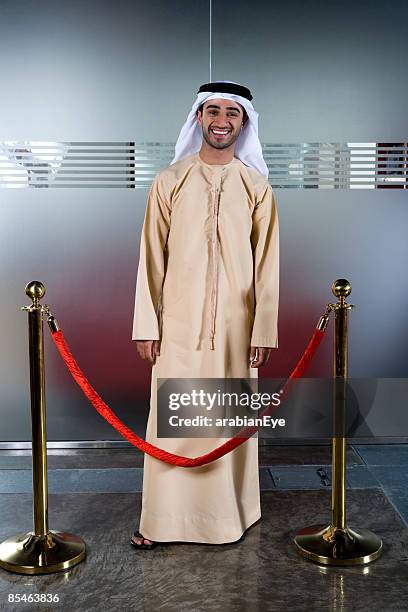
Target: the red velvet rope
pixel 152 450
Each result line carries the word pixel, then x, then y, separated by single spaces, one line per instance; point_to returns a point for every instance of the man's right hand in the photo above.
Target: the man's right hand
pixel 148 349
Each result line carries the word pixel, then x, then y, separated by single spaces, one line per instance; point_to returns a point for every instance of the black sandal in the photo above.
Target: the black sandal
pixel 144 546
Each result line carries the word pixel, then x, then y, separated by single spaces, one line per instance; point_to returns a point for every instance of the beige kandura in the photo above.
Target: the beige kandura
pixel 208 287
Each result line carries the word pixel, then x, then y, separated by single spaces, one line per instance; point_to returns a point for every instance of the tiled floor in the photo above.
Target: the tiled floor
pixel 96 494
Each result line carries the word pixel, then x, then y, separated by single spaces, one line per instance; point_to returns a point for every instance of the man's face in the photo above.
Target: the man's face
pixel 221 122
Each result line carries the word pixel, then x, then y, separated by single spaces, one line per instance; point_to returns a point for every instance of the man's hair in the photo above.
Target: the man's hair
pixel 200 108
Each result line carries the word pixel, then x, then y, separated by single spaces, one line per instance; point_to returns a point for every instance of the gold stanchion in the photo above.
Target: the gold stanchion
pixel 41 551
pixel 337 544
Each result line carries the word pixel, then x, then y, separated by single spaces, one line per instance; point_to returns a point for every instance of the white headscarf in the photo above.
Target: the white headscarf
pixel 248 148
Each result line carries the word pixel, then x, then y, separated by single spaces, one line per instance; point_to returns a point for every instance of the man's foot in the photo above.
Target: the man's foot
pixel 141 540
pixel 138 541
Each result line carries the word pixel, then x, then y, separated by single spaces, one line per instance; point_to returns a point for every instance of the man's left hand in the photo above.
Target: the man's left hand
pixel 258 356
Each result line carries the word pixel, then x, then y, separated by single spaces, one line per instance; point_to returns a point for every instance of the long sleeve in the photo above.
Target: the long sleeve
pixel 151 269
pixel 265 249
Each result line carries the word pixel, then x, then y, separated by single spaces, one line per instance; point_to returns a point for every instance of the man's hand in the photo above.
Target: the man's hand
pixel 148 349
pixel 258 356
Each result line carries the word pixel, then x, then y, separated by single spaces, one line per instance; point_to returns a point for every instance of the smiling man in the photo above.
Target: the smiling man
pixel 206 306
pixel 210 115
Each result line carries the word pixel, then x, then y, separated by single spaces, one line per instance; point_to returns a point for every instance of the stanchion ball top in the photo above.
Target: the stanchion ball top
pixel 341 287
pixel 35 290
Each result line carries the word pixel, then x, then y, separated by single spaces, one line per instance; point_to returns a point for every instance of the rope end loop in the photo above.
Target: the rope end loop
pixel 323 322
pixel 324 319
pixel 53 324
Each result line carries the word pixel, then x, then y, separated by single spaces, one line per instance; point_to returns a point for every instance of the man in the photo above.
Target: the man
pixel 206 306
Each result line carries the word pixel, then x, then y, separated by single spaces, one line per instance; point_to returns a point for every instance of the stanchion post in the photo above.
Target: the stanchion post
pixel 38 423
pixel 340 373
pixel 338 544
pixel 41 551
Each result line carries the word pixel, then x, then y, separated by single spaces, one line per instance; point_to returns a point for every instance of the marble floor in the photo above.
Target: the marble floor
pixel 96 493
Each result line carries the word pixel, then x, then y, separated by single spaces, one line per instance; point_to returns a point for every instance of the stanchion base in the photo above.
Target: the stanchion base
pixel 27 553
pixel 332 546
